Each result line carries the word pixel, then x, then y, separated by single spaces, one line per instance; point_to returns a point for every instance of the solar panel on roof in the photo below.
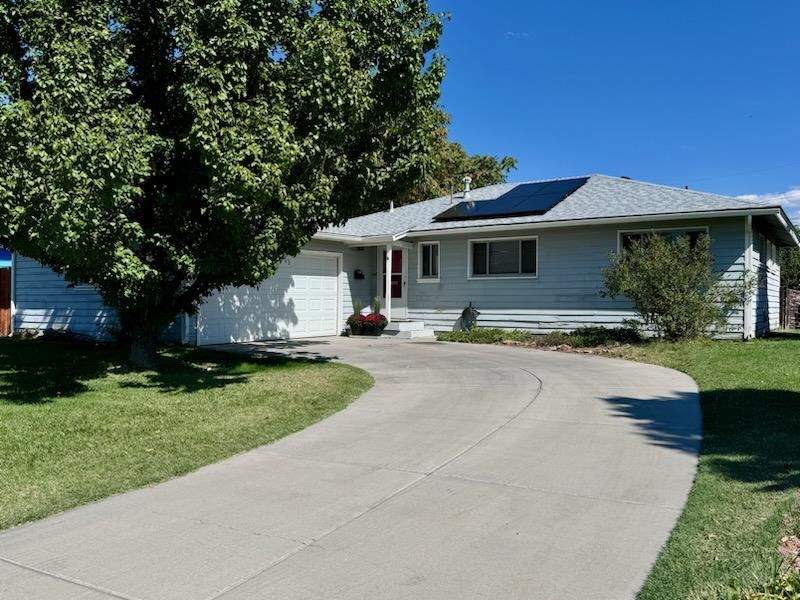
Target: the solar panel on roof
pixel 522 200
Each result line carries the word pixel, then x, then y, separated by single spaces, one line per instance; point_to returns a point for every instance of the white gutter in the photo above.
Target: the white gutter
pixel 591 222
pixel 784 221
pixel 376 240
pixel 359 240
pixel 337 237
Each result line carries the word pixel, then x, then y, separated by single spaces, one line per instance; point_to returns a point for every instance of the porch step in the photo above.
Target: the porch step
pixel 407 329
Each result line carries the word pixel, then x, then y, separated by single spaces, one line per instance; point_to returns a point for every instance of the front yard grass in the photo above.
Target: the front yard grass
pixel 76 425
pixel 745 495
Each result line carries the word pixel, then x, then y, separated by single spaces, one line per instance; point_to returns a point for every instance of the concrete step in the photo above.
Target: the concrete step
pixel 407 329
pixel 408 335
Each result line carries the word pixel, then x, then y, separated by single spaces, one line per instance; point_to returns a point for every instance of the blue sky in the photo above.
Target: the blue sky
pixel 704 94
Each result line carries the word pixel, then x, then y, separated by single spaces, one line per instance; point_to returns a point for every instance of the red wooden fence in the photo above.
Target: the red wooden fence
pixel 5 302
pixel 790 308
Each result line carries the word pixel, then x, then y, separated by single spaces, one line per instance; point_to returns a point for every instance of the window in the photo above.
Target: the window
pixel 503 258
pixel 428 261
pixel 773 255
pixel 627 239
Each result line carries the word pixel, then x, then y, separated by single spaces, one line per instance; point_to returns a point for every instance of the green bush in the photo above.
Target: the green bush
pixel 672 285
pixel 783 587
pixel 790 267
pixel 583 337
pixel 589 337
pixel 556 338
pixel 484 335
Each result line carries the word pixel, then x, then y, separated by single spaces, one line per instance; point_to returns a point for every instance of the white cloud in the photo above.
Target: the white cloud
pixel 517 35
pixel 789 200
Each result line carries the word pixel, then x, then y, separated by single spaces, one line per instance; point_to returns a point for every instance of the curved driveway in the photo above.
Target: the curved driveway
pixel 466 472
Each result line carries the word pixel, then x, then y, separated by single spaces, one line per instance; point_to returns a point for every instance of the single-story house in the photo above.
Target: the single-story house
pixel 525 255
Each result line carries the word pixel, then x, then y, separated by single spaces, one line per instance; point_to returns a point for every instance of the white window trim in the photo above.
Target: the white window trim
pixel 772 253
pixel 471 277
pixel 420 278
pixel 621 232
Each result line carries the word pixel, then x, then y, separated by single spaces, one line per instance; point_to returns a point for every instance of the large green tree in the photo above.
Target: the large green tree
pixel 447 166
pixel 160 150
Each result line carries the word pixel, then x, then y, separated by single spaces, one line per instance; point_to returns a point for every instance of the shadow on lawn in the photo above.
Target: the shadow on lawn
pixel 749 435
pixel 37 371
pixel 41 371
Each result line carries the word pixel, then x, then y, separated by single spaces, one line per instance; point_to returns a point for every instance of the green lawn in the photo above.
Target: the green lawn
pixel 76 426
pixel 745 496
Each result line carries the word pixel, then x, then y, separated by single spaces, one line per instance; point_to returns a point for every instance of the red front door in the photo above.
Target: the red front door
pixel 397 274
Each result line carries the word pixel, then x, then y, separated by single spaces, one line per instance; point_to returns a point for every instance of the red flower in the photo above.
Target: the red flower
pixel 375 320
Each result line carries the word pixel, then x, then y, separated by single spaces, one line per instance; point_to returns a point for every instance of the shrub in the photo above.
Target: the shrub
pixel 555 338
pixel 583 337
pixel 790 267
pixel 589 337
pixel 483 335
pixel 783 587
pixel 672 285
pixel 374 321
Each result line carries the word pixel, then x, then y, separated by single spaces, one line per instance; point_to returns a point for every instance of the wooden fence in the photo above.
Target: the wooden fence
pixel 5 302
pixel 790 308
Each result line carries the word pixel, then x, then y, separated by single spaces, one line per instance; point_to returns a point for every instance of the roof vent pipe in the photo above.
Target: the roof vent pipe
pixel 467 182
pixel 391 206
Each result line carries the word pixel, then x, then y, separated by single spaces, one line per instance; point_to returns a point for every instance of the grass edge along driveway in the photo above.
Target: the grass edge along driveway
pixel 745 494
pixel 77 426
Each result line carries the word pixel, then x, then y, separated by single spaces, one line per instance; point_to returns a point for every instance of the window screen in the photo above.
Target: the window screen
pixel 504 257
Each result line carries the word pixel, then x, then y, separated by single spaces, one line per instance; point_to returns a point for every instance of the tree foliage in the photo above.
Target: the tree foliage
pixel 790 267
pixel 160 150
pixel 448 165
pixel 672 285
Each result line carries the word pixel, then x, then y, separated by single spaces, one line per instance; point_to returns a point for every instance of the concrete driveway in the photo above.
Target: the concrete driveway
pixel 466 472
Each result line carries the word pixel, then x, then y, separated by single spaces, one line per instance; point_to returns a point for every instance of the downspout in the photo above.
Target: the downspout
pixel 748 332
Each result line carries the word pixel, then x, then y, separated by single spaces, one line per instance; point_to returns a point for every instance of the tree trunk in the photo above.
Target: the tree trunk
pixel 143 349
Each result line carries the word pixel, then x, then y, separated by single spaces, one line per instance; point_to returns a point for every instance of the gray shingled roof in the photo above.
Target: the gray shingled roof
pixel 601 197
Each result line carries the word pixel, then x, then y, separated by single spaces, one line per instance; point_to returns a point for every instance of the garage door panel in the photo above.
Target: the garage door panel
pixel 301 300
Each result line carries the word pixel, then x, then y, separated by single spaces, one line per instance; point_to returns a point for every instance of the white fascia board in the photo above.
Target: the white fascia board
pixel 337 237
pixel 602 221
pixel 357 240
pixel 787 225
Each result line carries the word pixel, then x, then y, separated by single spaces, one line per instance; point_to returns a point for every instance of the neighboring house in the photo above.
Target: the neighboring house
pixel 526 255
pixel 5 292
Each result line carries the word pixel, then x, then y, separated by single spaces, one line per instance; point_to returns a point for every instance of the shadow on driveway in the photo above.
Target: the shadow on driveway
pixel 750 435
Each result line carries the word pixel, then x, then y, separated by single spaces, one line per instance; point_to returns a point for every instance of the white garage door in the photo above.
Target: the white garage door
pixel 301 300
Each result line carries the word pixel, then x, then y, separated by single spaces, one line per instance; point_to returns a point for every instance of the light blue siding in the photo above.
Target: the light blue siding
pixel 567 291
pixel 43 300
pixel 767 277
pixel 565 294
